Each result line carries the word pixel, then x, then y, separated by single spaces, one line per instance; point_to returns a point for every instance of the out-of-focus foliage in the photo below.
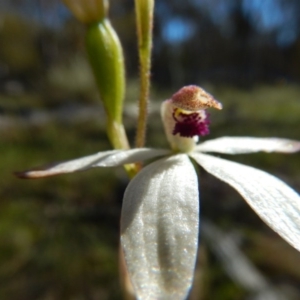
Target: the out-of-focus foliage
pixel 224 41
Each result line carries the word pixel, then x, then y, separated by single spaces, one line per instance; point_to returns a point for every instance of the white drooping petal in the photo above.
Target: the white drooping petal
pixel 274 201
pixel 110 158
pixel 236 145
pixel 159 228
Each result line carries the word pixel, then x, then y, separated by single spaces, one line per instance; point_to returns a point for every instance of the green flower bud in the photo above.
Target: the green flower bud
pixel 88 11
pixel 107 61
pixel 106 58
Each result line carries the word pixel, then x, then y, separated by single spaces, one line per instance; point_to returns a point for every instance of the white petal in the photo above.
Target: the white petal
pixel 236 145
pixel 110 158
pixel 159 228
pixel 275 202
pixel 124 157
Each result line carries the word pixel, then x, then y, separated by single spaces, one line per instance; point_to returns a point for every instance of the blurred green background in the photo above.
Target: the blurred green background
pixel 59 237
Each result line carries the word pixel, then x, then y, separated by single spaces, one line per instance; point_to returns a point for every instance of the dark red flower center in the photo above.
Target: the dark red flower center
pixel 190 124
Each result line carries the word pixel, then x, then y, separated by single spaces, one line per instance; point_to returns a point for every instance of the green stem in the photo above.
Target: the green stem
pixel 117 136
pixel 144 19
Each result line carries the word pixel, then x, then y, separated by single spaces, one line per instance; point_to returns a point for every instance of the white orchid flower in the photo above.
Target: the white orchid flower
pixel 160 214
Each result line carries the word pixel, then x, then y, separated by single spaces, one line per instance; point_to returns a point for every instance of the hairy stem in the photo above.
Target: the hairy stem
pixel 144 20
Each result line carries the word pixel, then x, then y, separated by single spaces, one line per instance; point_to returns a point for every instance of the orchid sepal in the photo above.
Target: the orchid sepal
pixel 159 228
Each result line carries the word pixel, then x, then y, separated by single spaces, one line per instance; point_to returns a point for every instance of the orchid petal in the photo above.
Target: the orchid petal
pixel 275 202
pixel 110 158
pixel 159 226
pixel 238 145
